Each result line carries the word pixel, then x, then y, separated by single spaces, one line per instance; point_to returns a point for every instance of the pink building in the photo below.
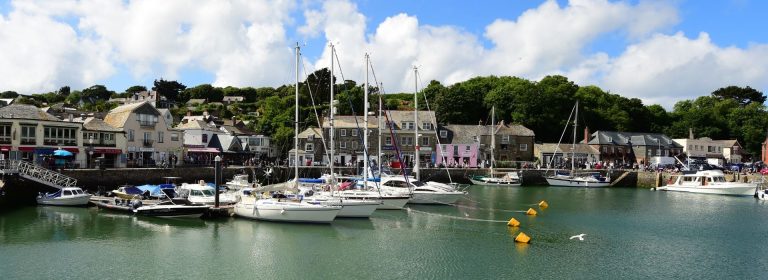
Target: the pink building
pixel 457 155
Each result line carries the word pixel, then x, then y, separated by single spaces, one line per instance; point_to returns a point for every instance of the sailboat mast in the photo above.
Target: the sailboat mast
pixel 296 124
pixel 573 146
pixel 493 135
pixel 416 122
pixel 365 125
pixel 378 124
pixel 332 131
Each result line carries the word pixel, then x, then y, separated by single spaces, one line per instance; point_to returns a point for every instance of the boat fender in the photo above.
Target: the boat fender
pixel 513 223
pixel 523 238
pixel 282 211
pixel 531 212
pixel 543 204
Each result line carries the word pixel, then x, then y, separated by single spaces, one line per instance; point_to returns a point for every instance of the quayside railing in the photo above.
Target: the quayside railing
pixel 37 173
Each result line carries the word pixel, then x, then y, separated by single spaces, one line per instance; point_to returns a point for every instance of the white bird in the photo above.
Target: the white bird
pixel 580 236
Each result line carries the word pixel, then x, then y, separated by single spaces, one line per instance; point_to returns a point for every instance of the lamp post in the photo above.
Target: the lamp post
pixel 217 179
pixel 90 150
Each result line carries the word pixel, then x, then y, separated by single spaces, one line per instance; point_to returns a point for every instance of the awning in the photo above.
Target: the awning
pixel 203 150
pixel 27 149
pixel 72 150
pixel 108 151
pixel 5 148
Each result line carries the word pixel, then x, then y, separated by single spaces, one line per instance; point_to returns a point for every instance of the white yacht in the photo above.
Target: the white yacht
pixel 511 179
pixel 239 182
pixel 284 210
pixel 350 208
pixel 709 182
pixel 587 179
pixel 69 196
pixel 202 193
pixel 421 192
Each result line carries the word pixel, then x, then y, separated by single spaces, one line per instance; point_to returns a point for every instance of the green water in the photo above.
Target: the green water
pixel 630 233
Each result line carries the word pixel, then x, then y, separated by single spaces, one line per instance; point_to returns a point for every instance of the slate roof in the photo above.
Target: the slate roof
pixel 118 116
pixel 349 122
pixel 196 125
pixel 314 131
pixel 464 133
pixel 28 112
pixel 95 124
pixel 635 138
pixel 566 148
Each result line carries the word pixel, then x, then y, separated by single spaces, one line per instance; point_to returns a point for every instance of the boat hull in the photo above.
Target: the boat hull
pixel 569 182
pixel 285 212
pixel 172 211
pixel 357 210
pixel 740 190
pixel 435 198
pixel 77 200
pixel 495 183
pixel 762 195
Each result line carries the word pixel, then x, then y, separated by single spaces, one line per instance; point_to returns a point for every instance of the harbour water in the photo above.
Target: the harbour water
pixel 630 233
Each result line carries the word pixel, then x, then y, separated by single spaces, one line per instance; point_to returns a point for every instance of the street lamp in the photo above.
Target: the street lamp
pixel 90 151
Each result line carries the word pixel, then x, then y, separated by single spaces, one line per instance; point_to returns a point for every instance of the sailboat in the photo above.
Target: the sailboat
pixel 277 207
pixel 573 179
pixel 511 179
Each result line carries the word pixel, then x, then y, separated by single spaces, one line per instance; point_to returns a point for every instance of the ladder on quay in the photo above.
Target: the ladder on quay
pixel 36 173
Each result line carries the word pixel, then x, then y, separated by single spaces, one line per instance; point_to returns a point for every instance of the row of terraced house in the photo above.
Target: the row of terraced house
pixel 138 134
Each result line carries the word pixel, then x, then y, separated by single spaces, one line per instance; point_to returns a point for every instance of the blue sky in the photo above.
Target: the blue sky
pixel 659 51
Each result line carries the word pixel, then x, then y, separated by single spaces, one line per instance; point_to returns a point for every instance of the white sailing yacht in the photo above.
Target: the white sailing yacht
pixel 277 207
pixel 511 179
pixel 573 179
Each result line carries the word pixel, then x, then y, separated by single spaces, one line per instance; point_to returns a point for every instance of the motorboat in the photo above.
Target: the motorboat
pixel 421 192
pixel 162 209
pixel 202 193
pixel 239 182
pixel 280 209
pixel 586 179
pixel 510 179
pixel 68 196
pixel 128 192
pixel 709 182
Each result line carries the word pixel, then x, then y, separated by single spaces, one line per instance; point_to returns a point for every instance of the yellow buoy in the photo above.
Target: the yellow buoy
pixel 543 204
pixel 531 212
pixel 522 238
pixel 513 223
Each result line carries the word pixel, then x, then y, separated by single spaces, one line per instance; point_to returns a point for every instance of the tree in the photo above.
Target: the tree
pixel 743 96
pixel 169 89
pixel 64 91
pixel 135 89
pixel 96 93
pixel 9 94
pixel 204 91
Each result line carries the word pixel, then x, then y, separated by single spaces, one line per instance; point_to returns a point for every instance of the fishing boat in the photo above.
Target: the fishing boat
pixel 708 182
pixel 68 196
pixel 571 178
pixel 510 179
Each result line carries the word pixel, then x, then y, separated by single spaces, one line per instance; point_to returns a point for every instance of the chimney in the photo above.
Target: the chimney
pixel 690 133
pixel 69 117
pixel 586 135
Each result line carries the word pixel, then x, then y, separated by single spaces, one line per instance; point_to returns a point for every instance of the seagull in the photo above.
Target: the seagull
pixel 580 237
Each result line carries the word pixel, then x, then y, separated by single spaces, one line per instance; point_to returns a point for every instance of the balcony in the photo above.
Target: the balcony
pixel 148 124
pixel 147 142
pixel 5 140
pixel 28 141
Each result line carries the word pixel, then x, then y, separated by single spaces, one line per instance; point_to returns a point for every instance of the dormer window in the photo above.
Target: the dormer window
pixel 443 134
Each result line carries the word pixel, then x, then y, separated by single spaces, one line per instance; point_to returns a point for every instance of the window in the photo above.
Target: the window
pixel 426 126
pixel 28 134
pixel 5 133
pixel 388 141
pixel 342 132
pixel 523 147
pixel 160 136
pixel 474 138
pixel 505 139
pixel 343 144
pixel 354 145
pixel 108 136
pixel 467 148
pixel 354 132
pixel 407 141
pixel 406 125
pixel 309 147
pixel 425 141
pixel 147 135
pixel 205 138
pixel 174 136
pixel 130 135
pixel 54 136
pixel 443 134
pixel 456 150
pixel 147 120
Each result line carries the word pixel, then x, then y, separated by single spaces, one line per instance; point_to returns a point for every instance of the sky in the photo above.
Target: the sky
pixel 658 51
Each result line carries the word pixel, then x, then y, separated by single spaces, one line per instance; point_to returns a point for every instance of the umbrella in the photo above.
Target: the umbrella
pixel 62 153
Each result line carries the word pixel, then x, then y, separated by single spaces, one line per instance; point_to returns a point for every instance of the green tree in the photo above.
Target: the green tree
pixel 135 89
pixel 64 91
pixel 96 93
pixel 9 94
pixel 743 96
pixel 169 89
